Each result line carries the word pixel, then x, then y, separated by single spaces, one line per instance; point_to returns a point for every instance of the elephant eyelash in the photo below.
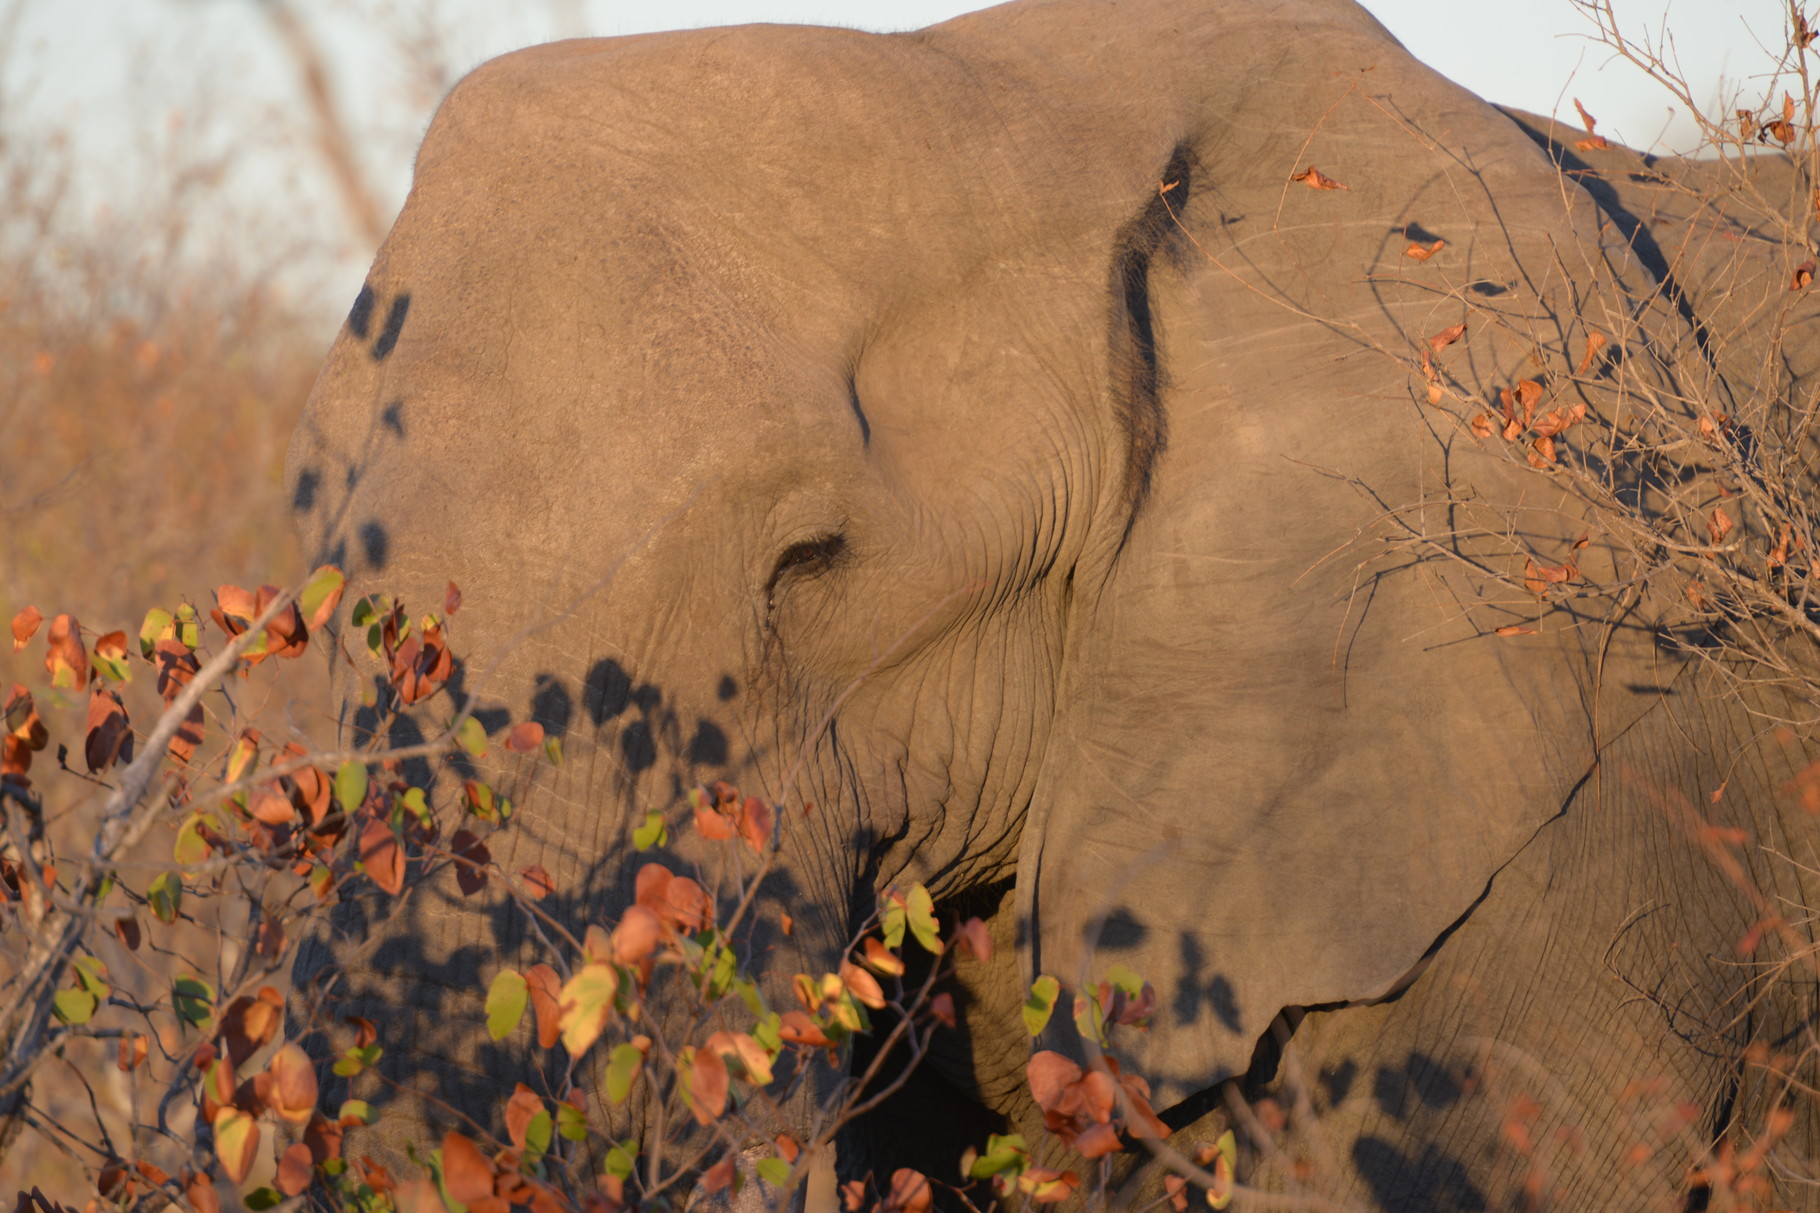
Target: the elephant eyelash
pixel 806 559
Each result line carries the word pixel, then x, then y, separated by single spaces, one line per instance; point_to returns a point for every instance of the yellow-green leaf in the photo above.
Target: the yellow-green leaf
pixel 158 621
pixel 321 594
pixel 236 1142
pixel 652 833
pixel 622 1071
pixel 193 999
pixel 506 999
pixel 584 1005
pixel 472 737
pixel 1220 1195
pixel 351 785
pixel 1041 1003
pixel 74 1005
pixel 919 912
pixel 190 848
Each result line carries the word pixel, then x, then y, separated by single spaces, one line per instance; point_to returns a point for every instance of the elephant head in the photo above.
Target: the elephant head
pixel 987 436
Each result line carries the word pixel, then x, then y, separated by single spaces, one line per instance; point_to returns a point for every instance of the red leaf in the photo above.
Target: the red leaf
pixel 1314 179
pixel 636 937
pixel 471 860
pixel 973 937
pixel 25 626
pixel 381 856
pixel 451 600
pixel 942 1008
pixel 524 737
pixel 717 1176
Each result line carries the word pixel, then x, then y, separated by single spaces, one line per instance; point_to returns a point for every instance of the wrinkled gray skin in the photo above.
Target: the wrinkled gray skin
pixel 746 379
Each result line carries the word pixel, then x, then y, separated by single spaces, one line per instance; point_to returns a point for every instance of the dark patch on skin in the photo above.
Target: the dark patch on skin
pixel 374 544
pixel 392 416
pixel 1136 376
pixel 394 324
pixel 360 316
pixel 727 688
pixel 606 691
pixel 708 747
pixel 303 497
pixel 859 414
pixel 552 706
pixel 638 744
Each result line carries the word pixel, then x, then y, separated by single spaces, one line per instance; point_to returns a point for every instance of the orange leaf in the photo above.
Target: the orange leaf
pixel 451 600
pixel 1512 629
pixel 538 882
pixel 1537 578
pixel 381 856
pixel 25 626
pixel 755 821
pixel 1424 252
pixel 110 734
pixel 1586 119
pixel 1720 524
pixel 787 1147
pixel 1482 425
pixel 465 1173
pixel 1595 341
pixel 545 989
pixel 909 1193
pixel 1804 274
pixel 293 1089
pixel 863 985
pixel 295 1170
pixel 1050 1075
pixel 67 660
pixel 521 1110
pixel 524 737
pixel 1542 452
pixel 705 1083
pixel 636 937
pixel 1315 179
pixel 1447 337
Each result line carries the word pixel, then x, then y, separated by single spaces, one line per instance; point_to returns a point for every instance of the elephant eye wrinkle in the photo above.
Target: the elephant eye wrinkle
pixel 809 558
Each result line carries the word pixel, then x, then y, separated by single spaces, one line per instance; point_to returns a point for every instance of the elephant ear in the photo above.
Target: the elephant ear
pixel 1292 746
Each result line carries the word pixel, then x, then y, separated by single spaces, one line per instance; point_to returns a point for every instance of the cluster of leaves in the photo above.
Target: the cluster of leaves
pixel 262 835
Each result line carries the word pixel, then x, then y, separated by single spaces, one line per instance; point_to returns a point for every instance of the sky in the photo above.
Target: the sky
pixel 134 87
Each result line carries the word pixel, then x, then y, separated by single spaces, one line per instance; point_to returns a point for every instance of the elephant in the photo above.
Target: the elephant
pixel 1061 445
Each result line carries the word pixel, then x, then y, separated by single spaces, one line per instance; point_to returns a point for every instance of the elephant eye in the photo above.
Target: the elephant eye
pixel 806 559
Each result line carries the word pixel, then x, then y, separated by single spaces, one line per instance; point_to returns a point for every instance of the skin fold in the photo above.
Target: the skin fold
pixel 977 434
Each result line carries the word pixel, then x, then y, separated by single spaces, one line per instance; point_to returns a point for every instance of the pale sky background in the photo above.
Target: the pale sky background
pixel 136 86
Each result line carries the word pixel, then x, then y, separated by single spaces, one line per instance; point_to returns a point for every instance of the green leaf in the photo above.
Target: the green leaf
pixel 774 1171
pixel 191 848
pixel 552 749
pixel 537 1135
pixel 371 608
pixel 357 1109
pixel 189 633
pixel 919 910
pixel 768 1032
pixel 506 999
pixel 571 1124
pixel 622 1071
pixel 156 620
pixel 472 737
pixel 261 1199
pixel 74 1006
pixel 355 1060
pixel 351 785
pixel 748 992
pixel 165 894
pixel 115 668
pixel 91 975
pixel 193 999
pixel 1122 978
pixel 1041 1003
pixel 1003 1153
pixel 413 801
pixel 622 1158
pixel 652 833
